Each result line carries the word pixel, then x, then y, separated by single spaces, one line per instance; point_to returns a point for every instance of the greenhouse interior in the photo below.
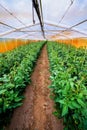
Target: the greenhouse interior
pixel 43 65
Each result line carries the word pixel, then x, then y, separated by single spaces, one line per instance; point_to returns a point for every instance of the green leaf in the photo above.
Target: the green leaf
pixel 2 91
pixel 17 105
pixel 64 110
pixel 1 101
pixel 56 100
pixel 17 99
pixel 81 102
pixel 55 113
pixel 75 104
pixel 61 101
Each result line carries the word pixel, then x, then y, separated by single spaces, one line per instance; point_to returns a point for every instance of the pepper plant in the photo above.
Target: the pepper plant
pixel 68 67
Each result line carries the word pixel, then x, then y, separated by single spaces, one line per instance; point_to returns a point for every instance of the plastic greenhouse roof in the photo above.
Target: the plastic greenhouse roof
pixel 61 19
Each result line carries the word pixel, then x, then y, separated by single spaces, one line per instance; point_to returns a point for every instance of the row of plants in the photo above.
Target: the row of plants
pixel 12 58
pixel 68 67
pixel 13 84
pixel 10 44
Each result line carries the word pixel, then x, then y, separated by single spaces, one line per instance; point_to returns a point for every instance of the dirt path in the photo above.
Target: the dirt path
pixel 37 108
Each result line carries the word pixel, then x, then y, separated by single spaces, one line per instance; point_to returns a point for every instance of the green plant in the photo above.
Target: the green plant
pixel 69 84
pixel 13 84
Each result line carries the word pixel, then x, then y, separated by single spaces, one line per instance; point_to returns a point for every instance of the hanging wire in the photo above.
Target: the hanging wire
pixel 19 19
pixel 33 13
pixel 72 1
pixel 41 11
pixel 38 11
pixel 40 16
pixel 14 17
pixel 15 29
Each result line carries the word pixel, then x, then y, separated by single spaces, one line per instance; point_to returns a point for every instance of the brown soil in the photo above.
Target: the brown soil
pixel 37 108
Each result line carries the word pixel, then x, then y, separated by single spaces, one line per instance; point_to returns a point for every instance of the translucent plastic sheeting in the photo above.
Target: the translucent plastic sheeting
pixel 60 19
pixel 4 29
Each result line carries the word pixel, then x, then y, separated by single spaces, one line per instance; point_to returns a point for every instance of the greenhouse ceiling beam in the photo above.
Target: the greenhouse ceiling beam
pixel 19 30
pixel 38 11
pixel 53 24
pixel 66 28
pixel 23 35
pixel 40 31
pixel 34 31
pixel 72 1
pixel 14 16
pixel 27 35
pixel 59 36
pixel 20 27
pixel 62 35
pixel 15 29
pixel 7 25
pixel 36 6
pixel 77 24
pixel 10 13
pixel 51 35
pixel 71 30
